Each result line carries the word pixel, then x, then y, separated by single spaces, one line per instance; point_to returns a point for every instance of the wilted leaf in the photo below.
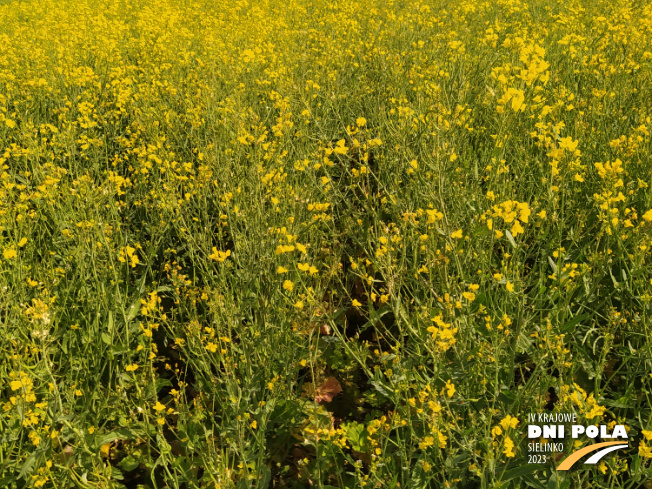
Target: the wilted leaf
pixel 328 390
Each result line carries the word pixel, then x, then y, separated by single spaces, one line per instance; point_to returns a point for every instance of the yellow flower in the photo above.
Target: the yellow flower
pixel 457 234
pixel 509 422
pixel 340 148
pixel 219 256
pixel 361 121
pixel 35 439
pixel 22 242
pixel 248 55
pixel 428 441
pixel 131 368
pixel 288 285
pixel 510 286
pixel 648 215
pixel 281 269
pixel 356 303
pixel 442 439
pixel 9 253
pixel 509 447
pixel 517 228
pixel 644 451
pixel 211 347
pixel 105 449
pixel 158 407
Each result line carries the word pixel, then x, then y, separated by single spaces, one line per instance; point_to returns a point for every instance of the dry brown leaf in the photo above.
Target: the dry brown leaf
pixel 328 390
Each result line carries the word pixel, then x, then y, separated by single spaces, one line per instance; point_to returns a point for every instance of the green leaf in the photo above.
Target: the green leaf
pixel 5 481
pixel 355 435
pixel 27 466
pixel 265 478
pixel 507 397
pixel 619 403
pixel 459 459
pixel 380 388
pixel 133 310
pixel 116 474
pixel 160 383
pixel 570 325
pixel 106 338
pixel 111 437
pixel 553 481
pixel 481 231
pixel 119 349
pixel 521 471
pixel 510 238
pixel 524 342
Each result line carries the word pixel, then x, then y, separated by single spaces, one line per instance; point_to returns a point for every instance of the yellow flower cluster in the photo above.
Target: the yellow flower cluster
pixel 442 333
pixel 510 212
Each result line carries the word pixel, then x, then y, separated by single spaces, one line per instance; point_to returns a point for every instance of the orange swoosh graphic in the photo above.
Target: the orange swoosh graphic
pixel 574 457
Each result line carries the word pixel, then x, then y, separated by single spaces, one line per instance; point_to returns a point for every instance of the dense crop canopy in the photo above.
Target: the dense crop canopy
pixel 322 243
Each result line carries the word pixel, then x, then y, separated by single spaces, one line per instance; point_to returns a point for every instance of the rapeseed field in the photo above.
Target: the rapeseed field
pixel 328 244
